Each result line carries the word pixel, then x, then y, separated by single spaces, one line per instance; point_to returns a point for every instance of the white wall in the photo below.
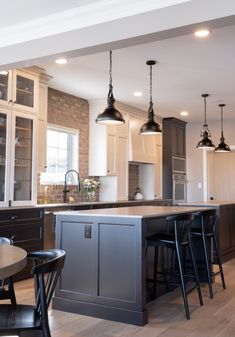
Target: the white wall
pixel 195 156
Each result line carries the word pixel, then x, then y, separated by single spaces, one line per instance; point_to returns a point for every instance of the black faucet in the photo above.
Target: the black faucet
pixel 66 190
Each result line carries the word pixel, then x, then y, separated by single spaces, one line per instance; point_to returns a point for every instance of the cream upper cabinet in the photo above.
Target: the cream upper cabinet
pixel 141 148
pixel 17 158
pixel 19 90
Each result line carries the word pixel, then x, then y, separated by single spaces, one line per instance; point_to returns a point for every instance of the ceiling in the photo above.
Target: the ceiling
pixel 187 67
pixel 36 32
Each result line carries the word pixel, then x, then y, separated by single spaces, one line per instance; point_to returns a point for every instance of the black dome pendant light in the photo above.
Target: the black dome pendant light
pixel 110 115
pixel 151 127
pixel 205 142
pixel 222 147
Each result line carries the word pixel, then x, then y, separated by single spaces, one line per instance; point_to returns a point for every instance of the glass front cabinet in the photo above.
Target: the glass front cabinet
pixel 18 90
pixel 17 150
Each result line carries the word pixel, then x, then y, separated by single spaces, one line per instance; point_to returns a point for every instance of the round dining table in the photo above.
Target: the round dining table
pixel 12 260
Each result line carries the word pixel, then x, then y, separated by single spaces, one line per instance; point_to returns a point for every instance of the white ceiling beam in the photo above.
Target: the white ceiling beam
pixel 138 27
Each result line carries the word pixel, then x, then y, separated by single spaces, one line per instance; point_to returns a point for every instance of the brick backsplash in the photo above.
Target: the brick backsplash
pixel 73 112
pixel 133 179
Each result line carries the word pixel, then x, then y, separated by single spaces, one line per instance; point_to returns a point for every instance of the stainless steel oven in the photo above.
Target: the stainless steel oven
pixel 179 188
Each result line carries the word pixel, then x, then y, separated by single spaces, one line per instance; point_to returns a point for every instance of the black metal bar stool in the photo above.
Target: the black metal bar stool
pixel 177 238
pixel 205 231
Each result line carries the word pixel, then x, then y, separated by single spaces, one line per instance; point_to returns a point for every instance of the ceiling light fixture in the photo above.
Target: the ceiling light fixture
pixel 184 113
pixel 3 72
pixel 138 93
pixel 205 142
pixel 110 115
pixel 151 127
pixel 202 33
pixel 61 61
pixel 222 146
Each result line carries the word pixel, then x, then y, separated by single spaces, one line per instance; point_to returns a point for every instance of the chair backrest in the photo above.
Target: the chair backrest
pixel 181 226
pixel 207 220
pixel 47 265
pixel 5 241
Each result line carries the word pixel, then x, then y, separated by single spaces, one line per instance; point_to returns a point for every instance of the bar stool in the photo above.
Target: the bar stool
pixel 177 239
pixel 205 231
pixel 7 292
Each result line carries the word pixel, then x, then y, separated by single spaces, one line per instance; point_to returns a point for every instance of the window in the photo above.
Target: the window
pixel 62 154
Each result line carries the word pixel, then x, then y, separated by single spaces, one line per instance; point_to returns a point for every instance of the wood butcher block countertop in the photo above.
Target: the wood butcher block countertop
pixel 12 260
pixel 209 203
pixel 134 211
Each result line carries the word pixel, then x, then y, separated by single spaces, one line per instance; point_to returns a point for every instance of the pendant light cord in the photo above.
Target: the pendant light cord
pixel 222 127
pixel 151 83
pixel 110 94
pixel 205 124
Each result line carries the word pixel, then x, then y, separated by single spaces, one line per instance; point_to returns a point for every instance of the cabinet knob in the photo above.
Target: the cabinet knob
pixel 14 102
pixel 10 101
pixel 14 217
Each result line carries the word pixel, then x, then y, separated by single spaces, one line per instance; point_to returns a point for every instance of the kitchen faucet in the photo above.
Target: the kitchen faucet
pixel 66 190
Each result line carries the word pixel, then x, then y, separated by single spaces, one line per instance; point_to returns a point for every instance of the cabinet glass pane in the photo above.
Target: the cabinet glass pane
pixel 24 91
pixel 3 86
pixel 23 159
pixel 3 123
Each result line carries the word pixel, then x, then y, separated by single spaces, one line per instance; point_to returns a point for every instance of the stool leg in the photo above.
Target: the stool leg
pixel 172 269
pixel 219 261
pixel 179 260
pixel 195 270
pixel 208 268
pixel 155 272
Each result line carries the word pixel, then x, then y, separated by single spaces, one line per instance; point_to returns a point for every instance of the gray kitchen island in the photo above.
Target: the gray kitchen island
pixel 105 268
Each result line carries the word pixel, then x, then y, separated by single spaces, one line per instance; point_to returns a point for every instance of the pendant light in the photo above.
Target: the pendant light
pixel 110 115
pixel 205 142
pixel 222 147
pixel 151 127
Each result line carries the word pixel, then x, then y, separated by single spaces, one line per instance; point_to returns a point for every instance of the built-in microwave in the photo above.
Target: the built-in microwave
pixel 178 165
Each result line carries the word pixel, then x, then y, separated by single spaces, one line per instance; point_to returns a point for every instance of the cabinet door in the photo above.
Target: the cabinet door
pixel 6 88
pixel 25 89
pixel 4 156
pixel 111 154
pixel 122 168
pixel 23 161
pixel 178 140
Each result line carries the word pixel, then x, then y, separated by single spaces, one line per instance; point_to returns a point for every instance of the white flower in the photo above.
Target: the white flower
pixel 90 184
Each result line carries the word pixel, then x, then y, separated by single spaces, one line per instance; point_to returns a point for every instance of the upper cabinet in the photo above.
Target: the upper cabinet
pixel 141 148
pixel 17 158
pixel 19 90
pixel 174 137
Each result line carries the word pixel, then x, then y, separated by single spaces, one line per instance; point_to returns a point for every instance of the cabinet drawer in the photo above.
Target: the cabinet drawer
pixel 22 232
pixel 22 215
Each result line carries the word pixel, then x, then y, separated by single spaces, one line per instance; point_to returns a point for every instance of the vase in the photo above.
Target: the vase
pixel 91 196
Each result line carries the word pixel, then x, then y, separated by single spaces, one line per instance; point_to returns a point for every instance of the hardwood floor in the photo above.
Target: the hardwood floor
pixel 166 315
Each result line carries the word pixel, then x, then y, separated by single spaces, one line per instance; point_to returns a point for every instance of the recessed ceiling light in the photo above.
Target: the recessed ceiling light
pixel 137 93
pixel 184 113
pixel 202 33
pixel 4 72
pixel 61 61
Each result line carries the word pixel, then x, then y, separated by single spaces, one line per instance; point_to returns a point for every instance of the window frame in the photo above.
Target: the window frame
pixel 74 161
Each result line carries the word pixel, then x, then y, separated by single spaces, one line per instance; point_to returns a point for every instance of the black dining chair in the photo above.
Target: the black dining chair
pixel 46 269
pixel 6 285
pixel 205 231
pixel 176 238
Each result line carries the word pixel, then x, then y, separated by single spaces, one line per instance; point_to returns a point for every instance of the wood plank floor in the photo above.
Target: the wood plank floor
pixel 166 315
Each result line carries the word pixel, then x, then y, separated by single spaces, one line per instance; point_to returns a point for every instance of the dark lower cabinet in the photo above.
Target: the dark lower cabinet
pixel 227 231
pixel 25 227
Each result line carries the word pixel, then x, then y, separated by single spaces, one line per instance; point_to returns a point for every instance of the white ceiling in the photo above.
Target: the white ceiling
pixel 187 67
pixel 34 32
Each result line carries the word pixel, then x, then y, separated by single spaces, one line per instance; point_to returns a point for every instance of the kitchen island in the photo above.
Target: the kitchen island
pixel 105 269
pixel 225 224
